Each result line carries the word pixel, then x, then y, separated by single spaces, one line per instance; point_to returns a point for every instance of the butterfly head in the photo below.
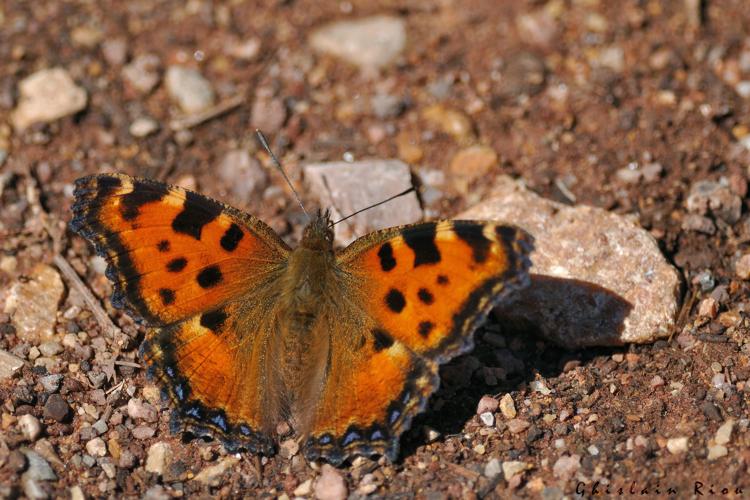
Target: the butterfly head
pixel 318 234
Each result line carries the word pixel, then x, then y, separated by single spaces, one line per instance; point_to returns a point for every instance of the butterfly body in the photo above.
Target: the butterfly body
pixel 246 333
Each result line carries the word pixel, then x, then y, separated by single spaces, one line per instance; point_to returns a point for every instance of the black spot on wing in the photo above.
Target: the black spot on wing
pixel 442 279
pixel 214 320
pixel 197 211
pixel 395 300
pixel 163 246
pixel 141 194
pixel 209 277
pixel 167 296
pixel 422 242
pixel 382 339
pixel 473 236
pixel 232 237
pixel 425 327
pixel 108 185
pixel 425 296
pixel 177 265
pixel 387 261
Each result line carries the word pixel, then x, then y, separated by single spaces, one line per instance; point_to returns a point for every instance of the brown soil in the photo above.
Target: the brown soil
pixel 671 100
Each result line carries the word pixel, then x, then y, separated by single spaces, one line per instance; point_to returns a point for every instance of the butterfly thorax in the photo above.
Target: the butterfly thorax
pixel 302 345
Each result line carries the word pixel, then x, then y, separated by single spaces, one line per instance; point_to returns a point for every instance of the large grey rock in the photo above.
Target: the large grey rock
pixel 598 278
pixel 46 96
pixel 369 43
pixel 347 187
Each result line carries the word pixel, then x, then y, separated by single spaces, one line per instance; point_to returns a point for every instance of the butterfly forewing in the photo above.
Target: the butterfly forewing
pixel 185 263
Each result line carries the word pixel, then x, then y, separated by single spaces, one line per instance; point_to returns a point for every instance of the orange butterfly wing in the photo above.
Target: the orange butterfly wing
pixel 422 290
pixel 181 261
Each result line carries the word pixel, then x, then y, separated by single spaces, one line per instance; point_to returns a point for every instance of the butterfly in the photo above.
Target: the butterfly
pixel 247 335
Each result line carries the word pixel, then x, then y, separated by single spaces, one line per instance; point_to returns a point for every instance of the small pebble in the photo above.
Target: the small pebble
pixel 45 96
pixel 56 408
pixel 742 267
pixel 96 447
pixel 474 162
pixel 513 467
pixel 566 467
pixel 724 433
pixel 189 89
pixel 330 485
pixel 657 381
pixel 708 308
pixel 517 425
pixel 143 432
pixel 487 404
pixel 304 488
pixel 140 410
pixel 487 419
pixel 508 407
pixel 677 445
pixel 143 72
pixel 143 126
pixel 492 468
pixel 30 426
pixel 50 349
pixel 369 43
pixel 717 451
pixel 158 458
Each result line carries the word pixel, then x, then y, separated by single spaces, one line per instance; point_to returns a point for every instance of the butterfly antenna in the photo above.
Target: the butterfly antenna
pixel 277 164
pixel 402 193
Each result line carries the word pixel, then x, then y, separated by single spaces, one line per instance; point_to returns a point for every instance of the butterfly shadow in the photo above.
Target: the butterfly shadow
pixel 524 337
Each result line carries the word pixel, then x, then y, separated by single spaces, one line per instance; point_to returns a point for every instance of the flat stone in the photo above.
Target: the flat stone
pixel 597 278
pixel 34 304
pixel 369 43
pixel 46 96
pixel 158 458
pixel 189 89
pixel 330 485
pixel 348 187
pixel 212 474
pixel 9 364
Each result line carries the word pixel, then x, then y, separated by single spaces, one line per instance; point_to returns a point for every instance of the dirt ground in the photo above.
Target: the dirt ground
pixel 572 95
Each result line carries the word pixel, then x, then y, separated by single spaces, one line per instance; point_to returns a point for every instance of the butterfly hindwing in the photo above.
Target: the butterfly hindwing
pixel 423 289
